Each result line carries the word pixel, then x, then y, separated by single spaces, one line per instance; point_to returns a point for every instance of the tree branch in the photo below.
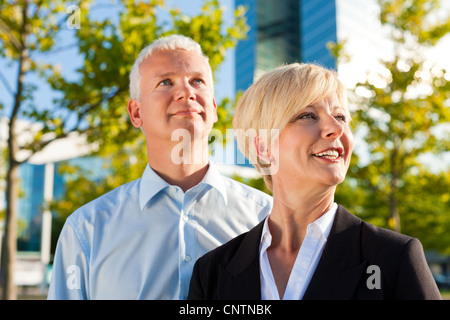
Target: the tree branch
pixel 53 51
pixel 93 106
pixel 14 40
pixel 6 84
pixel 38 8
pixel 41 145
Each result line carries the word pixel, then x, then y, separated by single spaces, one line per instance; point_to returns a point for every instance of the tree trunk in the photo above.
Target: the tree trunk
pixel 394 214
pixel 9 242
pixel 12 194
pixel 393 208
pixel 10 237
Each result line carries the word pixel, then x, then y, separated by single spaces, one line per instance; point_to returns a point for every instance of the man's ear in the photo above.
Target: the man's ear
pixel 215 110
pixel 135 114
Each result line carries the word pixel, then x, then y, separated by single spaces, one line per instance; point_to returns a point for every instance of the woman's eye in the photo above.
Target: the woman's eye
pixel 304 116
pixel 307 116
pixel 341 117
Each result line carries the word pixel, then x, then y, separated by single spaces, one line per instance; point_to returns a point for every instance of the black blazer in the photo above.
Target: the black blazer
pixel 232 270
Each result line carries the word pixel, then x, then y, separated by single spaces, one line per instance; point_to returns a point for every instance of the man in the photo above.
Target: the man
pixel 141 240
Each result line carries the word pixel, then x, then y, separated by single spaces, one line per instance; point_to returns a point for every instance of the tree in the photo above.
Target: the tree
pixel 21 37
pixel 400 112
pixel 425 206
pixel 95 103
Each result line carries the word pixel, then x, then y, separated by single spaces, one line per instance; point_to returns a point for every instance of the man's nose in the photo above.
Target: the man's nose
pixel 185 92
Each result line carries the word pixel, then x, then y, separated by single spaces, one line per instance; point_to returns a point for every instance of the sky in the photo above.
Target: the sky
pixel 368 41
pixel 365 51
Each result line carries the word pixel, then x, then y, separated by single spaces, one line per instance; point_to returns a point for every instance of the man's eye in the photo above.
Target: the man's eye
pixel 166 82
pixel 198 81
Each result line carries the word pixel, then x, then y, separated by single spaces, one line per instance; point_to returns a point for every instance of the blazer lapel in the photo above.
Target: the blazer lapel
pixel 338 273
pixel 240 278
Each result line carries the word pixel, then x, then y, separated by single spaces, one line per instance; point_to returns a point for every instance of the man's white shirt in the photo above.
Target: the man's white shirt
pixel 141 240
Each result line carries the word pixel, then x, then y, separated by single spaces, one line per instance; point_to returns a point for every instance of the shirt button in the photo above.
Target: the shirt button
pixel 185 218
pixel 187 258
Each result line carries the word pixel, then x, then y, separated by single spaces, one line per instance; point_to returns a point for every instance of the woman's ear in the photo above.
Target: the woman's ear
pixel 262 150
pixel 267 153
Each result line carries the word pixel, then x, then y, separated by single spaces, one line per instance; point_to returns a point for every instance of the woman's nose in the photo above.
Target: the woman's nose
pixel 332 128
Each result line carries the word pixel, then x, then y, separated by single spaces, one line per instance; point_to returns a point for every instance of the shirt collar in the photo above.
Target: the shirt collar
pixel 324 223
pixel 151 183
pixel 266 237
pixel 215 179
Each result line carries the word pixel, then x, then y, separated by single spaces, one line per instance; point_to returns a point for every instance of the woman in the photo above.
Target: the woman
pixel 293 124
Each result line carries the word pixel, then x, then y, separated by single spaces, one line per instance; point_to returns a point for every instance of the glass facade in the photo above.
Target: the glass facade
pixel 318 28
pixel 245 54
pixel 31 200
pixel 278 29
pixel 30 204
pixel 283 32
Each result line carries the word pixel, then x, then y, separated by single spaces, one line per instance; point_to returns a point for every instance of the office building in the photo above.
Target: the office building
pixel 284 32
pixel 31 200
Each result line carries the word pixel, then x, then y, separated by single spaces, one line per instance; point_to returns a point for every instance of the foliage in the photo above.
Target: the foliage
pixel 257 183
pixel 425 206
pixel 400 108
pixel 419 19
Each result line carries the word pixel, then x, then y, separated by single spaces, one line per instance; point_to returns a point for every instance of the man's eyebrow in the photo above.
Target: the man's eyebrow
pixel 165 75
pixel 172 73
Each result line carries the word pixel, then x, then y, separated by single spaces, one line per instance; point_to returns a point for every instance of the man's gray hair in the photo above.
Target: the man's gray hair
pixel 171 42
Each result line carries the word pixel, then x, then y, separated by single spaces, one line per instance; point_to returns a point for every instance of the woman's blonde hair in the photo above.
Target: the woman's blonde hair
pixel 275 99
